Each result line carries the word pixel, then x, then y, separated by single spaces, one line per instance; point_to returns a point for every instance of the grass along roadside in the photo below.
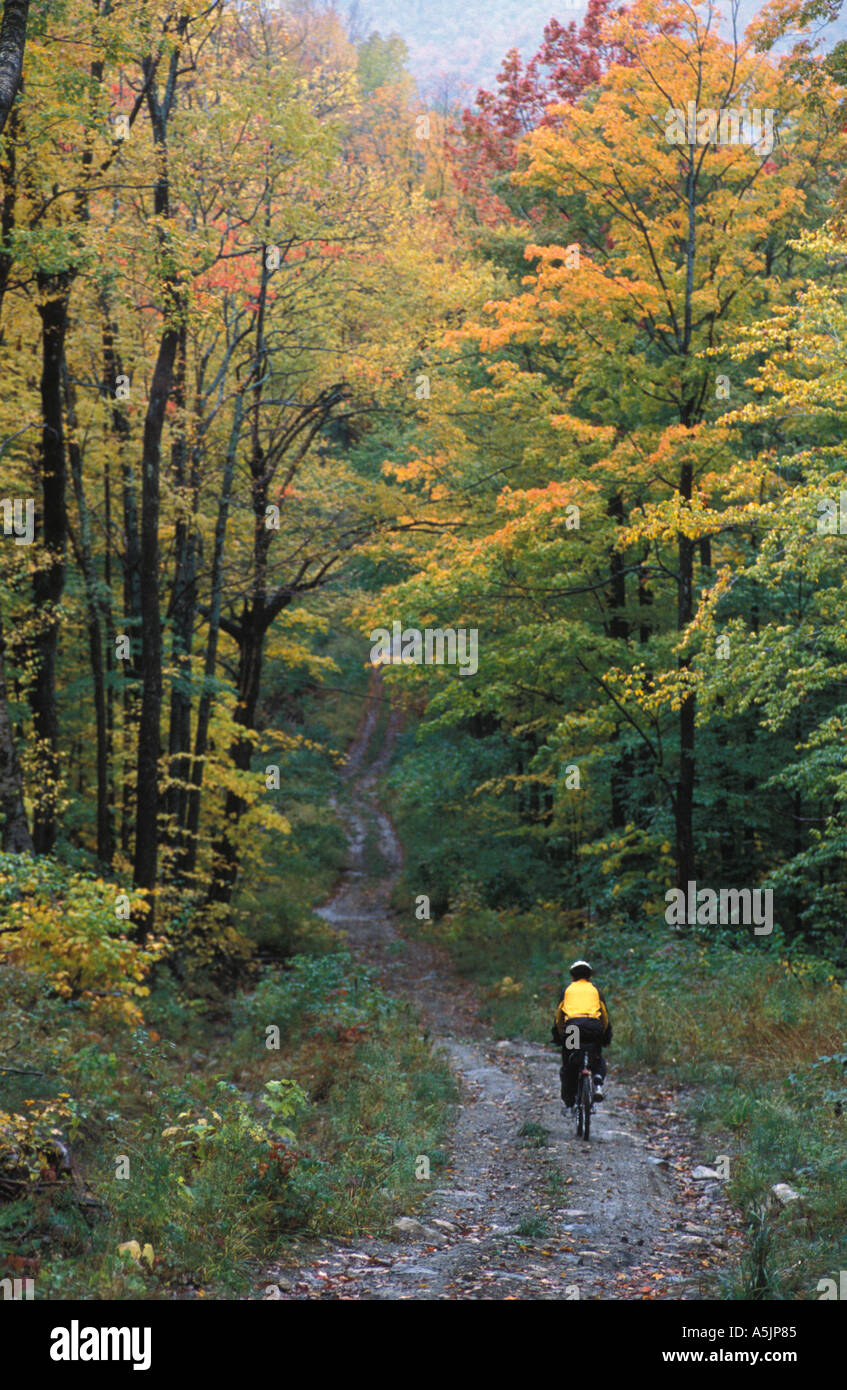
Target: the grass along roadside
pixel 193 1137
pixel 177 1143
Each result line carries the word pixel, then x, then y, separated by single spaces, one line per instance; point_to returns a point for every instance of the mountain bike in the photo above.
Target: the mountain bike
pixel 584 1095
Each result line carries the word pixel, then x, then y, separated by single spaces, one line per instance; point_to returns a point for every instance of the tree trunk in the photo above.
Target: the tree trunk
pixel 182 610
pixel 250 654
pixel 147 790
pixel 149 724
pixel 49 579
pixel 16 837
pixel 621 773
pixel 204 712
pixel 684 799
pixel 131 564
pixel 8 180
pixel 12 42
pixel 85 560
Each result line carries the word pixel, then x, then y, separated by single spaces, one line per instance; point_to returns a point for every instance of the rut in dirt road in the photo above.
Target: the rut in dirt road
pixel 528 1210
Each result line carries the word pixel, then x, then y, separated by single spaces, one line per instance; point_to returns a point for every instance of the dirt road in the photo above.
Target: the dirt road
pixel 528 1210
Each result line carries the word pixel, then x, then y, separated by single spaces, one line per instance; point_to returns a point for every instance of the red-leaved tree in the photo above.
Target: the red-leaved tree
pixel 483 147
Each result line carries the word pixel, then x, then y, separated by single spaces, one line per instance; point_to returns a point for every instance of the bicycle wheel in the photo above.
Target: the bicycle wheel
pixel 588 1095
pixel 579 1107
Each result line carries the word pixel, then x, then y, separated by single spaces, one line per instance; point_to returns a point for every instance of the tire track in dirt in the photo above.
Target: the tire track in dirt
pixel 538 1214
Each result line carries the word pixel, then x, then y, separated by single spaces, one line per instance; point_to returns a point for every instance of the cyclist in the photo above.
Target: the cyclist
pixel 581 1008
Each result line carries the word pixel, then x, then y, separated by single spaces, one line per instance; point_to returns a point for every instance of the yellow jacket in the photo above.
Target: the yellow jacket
pixel 581 999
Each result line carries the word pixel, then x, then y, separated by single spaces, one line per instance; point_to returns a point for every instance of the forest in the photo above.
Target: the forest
pixel 423 563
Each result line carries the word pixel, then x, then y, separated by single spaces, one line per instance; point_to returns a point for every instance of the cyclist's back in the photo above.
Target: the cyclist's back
pixel 582 1021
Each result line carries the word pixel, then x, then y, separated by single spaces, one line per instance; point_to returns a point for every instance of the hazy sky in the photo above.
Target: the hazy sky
pixel 465 40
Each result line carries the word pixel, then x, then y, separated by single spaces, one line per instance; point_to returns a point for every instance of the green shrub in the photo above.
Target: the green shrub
pixel 64 926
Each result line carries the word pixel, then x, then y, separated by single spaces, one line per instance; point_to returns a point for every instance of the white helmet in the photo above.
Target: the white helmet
pixel 580 963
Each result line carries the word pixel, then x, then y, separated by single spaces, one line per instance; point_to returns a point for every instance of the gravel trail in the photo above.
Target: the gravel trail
pixel 526 1210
